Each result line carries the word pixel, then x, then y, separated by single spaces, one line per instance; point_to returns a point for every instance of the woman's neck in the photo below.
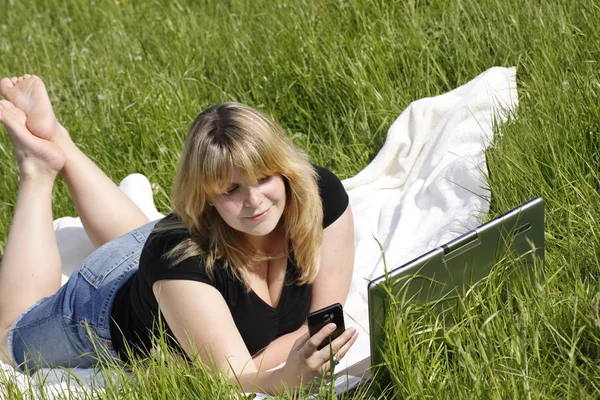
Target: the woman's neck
pixel 271 244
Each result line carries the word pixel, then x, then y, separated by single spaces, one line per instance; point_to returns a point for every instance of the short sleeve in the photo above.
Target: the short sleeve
pixel 333 195
pixel 154 265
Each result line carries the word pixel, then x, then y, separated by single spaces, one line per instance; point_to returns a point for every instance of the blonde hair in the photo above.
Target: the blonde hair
pixel 230 135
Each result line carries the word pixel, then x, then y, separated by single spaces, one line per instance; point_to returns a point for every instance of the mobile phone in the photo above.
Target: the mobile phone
pixel 318 319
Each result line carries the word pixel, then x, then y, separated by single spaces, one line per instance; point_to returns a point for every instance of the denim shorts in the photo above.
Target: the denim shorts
pixel 72 327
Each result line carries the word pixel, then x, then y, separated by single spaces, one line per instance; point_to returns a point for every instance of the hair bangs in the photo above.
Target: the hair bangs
pixel 216 171
pixel 257 160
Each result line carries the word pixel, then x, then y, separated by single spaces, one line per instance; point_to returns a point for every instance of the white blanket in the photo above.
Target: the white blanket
pixel 426 186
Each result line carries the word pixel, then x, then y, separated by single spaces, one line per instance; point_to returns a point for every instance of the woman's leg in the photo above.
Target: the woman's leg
pixel 105 211
pixel 31 266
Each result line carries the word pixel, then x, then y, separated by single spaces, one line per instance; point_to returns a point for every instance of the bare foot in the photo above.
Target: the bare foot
pixel 28 93
pixel 34 155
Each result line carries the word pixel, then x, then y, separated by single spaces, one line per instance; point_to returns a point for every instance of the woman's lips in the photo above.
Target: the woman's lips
pixel 260 216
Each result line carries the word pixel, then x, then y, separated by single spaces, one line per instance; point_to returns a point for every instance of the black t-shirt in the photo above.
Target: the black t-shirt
pixel 134 312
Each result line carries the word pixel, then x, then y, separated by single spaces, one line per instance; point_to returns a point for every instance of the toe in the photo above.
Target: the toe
pixel 5 84
pixel 6 104
pixel 12 116
pixel 14 80
pixel 26 76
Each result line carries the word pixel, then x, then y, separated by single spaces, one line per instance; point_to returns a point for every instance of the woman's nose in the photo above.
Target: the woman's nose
pixel 254 197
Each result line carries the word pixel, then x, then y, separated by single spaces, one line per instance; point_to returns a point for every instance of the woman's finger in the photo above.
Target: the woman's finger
pixel 301 341
pixel 346 346
pixel 333 355
pixel 337 344
pixel 318 338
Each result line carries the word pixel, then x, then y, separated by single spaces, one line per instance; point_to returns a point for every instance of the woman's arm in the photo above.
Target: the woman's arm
pixel 202 323
pixel 337 263
pixel 276 352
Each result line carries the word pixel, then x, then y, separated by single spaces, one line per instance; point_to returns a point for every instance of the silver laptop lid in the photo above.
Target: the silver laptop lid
pixel 452 268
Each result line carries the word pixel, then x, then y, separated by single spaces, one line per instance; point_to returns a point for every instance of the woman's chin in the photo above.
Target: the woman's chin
pixel 259 235
pixel 260 232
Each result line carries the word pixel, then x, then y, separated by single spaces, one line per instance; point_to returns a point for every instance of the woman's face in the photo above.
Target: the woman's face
pixel 254 210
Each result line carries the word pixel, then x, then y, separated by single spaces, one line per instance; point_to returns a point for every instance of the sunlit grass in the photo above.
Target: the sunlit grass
pixel 127 78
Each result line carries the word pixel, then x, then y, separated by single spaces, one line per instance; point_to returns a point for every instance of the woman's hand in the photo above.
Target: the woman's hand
pixel 305 363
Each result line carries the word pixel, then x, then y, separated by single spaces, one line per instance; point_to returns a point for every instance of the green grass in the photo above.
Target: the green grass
pixel 126 78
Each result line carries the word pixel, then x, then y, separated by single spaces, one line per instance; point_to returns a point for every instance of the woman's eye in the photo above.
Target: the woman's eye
pixel 264 179
pixel 231 190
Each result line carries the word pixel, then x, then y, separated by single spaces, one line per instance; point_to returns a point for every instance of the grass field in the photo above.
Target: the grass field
pixel 127 78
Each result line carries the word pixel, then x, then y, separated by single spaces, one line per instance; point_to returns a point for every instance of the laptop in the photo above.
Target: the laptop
pixel 447 271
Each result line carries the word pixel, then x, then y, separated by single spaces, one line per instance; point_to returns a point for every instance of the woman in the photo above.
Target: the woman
pixel 230 275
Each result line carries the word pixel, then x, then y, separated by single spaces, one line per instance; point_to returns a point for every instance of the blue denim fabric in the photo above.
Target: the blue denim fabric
pixel 72 327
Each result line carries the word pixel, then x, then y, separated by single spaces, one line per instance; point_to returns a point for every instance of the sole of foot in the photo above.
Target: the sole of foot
pixel 28 93
pixel 34 155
